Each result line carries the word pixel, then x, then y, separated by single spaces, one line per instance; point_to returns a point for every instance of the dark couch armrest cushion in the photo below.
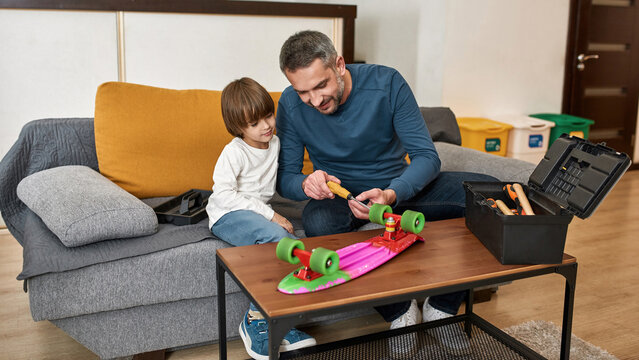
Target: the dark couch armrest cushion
pixel 441 124
pixel 81 206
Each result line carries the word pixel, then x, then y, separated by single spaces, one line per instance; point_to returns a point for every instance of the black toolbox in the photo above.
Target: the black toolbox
pixel 572 179
pixel 185 209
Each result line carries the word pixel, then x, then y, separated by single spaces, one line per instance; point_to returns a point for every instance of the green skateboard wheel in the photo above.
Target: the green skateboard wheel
pixel 285 248
pixel 376 213
pixel 324 261
pixel 412 221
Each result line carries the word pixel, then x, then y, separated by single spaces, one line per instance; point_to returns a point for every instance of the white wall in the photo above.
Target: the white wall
pixel 478 57
pixel 45 70
pixel 504 56
pixel 52 62
pixel 185 51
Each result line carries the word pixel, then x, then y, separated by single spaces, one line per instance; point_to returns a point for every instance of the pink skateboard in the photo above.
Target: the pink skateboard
pixel 324 268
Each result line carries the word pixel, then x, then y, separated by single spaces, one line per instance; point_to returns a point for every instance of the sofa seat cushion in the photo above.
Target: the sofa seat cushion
pixel 183 272
pixel 81 207
pixel 158 142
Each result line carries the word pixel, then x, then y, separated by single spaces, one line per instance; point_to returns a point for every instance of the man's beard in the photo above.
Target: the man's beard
pixel 337 99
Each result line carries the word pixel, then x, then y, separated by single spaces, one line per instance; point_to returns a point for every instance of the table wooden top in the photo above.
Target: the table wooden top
pixel 450 255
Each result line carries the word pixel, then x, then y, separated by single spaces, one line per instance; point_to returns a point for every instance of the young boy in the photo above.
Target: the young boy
pixel 244 182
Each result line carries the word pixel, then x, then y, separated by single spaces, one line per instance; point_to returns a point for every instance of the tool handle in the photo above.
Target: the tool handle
pixel 512 194
pixel 523 200
pixel 502 206
pixel 338 190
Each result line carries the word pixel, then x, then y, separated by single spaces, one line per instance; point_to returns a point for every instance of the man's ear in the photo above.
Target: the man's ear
pixel 340 65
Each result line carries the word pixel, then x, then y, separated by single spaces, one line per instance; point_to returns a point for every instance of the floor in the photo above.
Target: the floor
pixel 606 311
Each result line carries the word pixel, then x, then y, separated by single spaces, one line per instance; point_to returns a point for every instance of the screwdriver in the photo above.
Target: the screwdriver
pixel 338 190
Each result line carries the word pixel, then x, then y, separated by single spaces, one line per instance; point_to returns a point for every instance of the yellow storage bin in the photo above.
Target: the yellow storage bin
pixel 484 135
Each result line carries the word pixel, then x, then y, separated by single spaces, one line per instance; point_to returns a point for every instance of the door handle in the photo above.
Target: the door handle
pixel 582 58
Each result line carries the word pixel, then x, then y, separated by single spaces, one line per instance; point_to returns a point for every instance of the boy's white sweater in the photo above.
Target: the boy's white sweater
pixel 244 179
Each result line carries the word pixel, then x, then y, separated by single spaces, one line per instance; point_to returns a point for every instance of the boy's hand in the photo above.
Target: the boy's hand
pixel 314 185
pixel 283 222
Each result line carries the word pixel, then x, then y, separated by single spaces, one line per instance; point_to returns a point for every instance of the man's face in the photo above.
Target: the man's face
pixel 319 86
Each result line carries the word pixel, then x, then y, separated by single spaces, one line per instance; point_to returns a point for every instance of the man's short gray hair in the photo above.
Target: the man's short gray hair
pixel 302 48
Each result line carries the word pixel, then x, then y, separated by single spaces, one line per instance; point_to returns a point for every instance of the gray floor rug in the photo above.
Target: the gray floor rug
pixel 545 338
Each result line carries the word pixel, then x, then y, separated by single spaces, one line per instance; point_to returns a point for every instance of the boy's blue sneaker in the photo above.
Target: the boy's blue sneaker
pixel 254 333
pixel 296 339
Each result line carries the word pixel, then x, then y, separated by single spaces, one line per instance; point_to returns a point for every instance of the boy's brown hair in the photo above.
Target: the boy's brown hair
pixel 244 101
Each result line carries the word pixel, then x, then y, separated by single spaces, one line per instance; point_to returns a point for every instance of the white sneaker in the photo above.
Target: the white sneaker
pixel 410 317
pixel 452 337
pixel 429 313
pixel 404 346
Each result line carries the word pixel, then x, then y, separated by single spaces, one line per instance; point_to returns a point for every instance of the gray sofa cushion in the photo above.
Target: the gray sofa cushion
pixel 81 206
pixel 441 124
pixel 457 158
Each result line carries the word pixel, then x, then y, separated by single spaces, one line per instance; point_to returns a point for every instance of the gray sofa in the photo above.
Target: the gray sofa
pixel 127 296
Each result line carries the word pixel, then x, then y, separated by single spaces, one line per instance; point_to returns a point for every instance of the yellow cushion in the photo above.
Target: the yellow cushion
pixel 158 142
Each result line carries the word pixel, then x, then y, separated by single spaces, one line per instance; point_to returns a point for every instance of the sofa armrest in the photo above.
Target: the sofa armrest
pixel 457 158
pixel 42 144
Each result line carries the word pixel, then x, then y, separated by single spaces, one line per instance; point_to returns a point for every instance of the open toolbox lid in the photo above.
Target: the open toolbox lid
pixel 577 174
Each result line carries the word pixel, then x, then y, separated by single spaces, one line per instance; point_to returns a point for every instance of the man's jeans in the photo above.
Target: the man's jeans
pixel 246 227
pixel 443 198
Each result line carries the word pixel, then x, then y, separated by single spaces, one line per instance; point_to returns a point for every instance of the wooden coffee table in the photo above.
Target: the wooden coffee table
pixel 451 259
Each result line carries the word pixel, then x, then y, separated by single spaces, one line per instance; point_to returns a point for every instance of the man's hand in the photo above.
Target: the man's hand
pixel 315 187
pixel 377 196
pixel 283 222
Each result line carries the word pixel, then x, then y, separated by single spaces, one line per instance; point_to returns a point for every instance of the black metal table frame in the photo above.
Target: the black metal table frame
pixel 279 326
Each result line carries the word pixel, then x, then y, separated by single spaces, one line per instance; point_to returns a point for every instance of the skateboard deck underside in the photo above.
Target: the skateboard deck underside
pixel 354 261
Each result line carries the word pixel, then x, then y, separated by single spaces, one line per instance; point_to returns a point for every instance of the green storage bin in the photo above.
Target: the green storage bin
pixel 564 123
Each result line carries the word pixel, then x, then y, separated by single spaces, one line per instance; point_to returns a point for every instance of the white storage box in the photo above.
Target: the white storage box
pixel 528 140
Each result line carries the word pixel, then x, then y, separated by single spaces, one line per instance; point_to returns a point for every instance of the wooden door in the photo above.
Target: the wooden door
pixel 602 69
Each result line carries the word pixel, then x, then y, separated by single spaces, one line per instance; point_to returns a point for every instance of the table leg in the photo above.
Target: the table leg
pixel 277 328
pixel 275 335
pixel 221 308
pixel 469 311
pixel 570 273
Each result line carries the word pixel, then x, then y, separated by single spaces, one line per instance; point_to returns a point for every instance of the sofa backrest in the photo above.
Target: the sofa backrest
pixel 159 142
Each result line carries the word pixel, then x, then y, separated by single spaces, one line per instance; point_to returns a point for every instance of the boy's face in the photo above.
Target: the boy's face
pixel 320 87
pixel 258 133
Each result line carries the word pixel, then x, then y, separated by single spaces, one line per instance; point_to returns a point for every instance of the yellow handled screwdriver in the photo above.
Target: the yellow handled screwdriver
pixel 338 190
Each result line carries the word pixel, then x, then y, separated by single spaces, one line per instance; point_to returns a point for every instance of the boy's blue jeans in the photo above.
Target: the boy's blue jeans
pixel 246 227
pixel 443 198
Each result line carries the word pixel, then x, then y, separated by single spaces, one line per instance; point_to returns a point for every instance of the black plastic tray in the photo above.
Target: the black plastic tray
pixel 184 209
pixel 572 179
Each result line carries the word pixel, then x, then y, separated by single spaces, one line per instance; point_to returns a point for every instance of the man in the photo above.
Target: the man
pixel 357 123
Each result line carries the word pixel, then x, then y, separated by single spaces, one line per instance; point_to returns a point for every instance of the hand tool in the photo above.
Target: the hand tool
pixel 500 205
pixel 523 199
pixel 516 193
pixel 338 190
